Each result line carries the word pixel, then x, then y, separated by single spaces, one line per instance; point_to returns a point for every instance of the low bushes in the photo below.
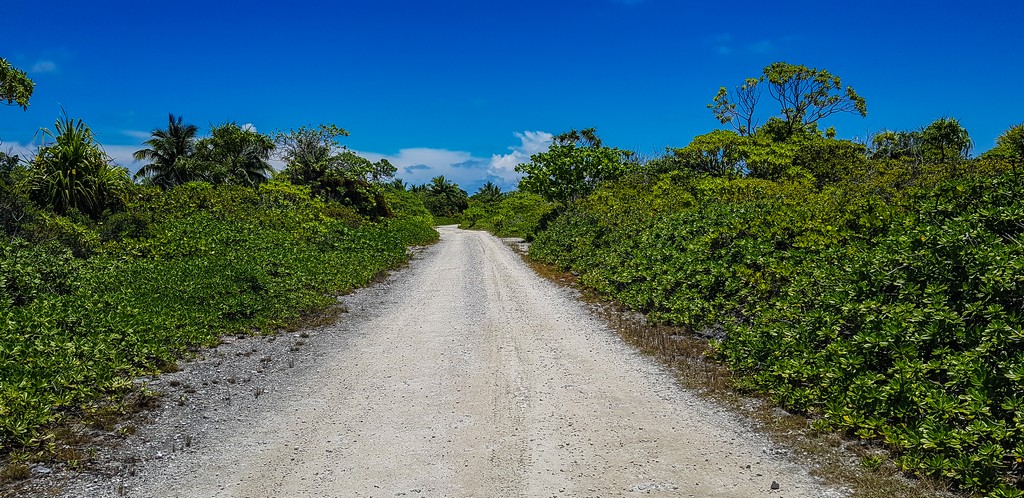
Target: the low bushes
pixel 517 214
pixel 889 312
pixel 175 271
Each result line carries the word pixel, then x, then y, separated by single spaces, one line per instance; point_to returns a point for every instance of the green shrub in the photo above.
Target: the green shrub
pixel 518 214
pixel 183 268
pixel 888 307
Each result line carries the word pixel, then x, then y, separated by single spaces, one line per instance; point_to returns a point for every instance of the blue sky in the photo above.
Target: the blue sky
pixel 469 88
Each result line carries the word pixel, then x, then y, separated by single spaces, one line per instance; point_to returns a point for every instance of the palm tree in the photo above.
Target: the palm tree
pixel 489 193
pixel 236 155
pixel 445 198
pixel 170 155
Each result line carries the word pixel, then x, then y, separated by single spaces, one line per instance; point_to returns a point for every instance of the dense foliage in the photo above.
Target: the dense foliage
pixel 316 159
pixel 15 86
pixel 72 173
pixel 517 214
pixel 877 287
pixel 86 307
pixel 574 164
pixel 888 307
pixel 443 198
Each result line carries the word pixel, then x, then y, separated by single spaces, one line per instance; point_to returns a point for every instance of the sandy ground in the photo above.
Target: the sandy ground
pixel 467 375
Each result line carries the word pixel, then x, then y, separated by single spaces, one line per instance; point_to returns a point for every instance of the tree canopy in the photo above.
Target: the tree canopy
pixel 805 95
pixel 169 153
pixel 15 86
pixel 573 166
pixel 944 141
pixel 1009 145
pixel 316 159
pixel 235 155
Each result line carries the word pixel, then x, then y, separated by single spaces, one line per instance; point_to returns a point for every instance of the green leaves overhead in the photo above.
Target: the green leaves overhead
pixel 15 86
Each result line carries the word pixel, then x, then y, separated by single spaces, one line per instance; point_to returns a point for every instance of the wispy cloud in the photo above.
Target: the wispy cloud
pixel 139 134
pixel 725 44
pixel 418 165
pixel 24 151
pixel 44 66
pixel 762 47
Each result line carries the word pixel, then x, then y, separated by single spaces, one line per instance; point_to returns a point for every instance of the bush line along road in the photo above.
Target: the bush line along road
pixel 472 376
pixel 875 287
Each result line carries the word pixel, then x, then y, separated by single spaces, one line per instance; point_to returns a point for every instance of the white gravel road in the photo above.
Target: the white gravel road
pixel 476 377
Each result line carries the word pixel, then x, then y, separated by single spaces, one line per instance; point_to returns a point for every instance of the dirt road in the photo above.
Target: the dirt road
pixel 474 377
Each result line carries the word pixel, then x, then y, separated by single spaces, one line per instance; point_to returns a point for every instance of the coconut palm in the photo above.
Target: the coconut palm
pixel 170 155
pixel 235 155
pixel 489 192
pixel 444 198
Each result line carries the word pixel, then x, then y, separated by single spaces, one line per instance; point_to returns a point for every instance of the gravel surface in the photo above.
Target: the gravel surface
pixel 463 375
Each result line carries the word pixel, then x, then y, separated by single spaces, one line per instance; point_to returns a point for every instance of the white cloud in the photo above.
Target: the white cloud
pixel 122 155
pixel 503 166
pixel 44 66
pixel 418 165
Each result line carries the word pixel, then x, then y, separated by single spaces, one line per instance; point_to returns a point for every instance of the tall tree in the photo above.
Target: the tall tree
pixel 489 192
pixel 944 141
pixel 169 153
pixel 309 153
pixel 15 85
pixel 806 95
pixel 737 108
pixel 573 166
pixel 444 197
pixel 316 159
pixel 235 155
